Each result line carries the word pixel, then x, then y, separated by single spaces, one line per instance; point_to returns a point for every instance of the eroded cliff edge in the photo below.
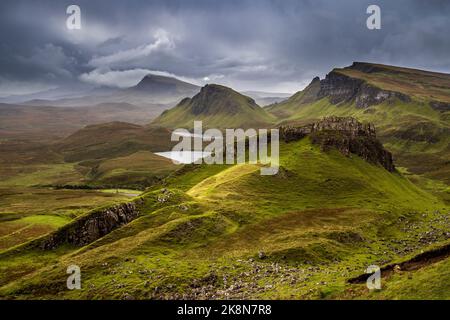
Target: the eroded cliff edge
pixel 92 226
pixel 347 135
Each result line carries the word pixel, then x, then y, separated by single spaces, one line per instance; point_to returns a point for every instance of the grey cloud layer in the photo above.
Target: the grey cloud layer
pixel 265 45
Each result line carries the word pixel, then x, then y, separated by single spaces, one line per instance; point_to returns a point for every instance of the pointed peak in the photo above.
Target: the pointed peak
pixel 315 79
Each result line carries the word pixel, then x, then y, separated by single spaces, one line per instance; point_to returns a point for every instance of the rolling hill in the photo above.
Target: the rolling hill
pixel 112 139
pixel 45 123
pixel 226 232
pixel 218 107
pixel 117 154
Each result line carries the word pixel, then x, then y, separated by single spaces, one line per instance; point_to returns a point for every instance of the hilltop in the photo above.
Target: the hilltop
pixel 218 107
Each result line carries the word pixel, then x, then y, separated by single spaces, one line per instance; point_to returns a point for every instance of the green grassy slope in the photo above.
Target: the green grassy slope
pixel 142 168
pixel 227 231
pixel 430 282
pixel 30 212
pixel 115 154
pixel 44 186
pixel 218 107
pixel 420 276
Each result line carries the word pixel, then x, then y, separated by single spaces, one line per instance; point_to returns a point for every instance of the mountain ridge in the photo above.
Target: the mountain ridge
pixel 409 107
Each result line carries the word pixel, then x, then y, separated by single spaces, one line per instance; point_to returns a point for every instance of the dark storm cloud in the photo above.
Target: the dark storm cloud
pixel 267 45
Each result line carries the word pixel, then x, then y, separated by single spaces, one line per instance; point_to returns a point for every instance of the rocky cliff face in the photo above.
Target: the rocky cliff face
pixel 346 125
pixel 92 226
pixel 345 134
pixel 341 88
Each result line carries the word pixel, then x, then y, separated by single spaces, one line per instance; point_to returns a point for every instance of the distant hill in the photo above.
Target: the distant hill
pixel 113 139
pixel 118 154
pixel 266 98
pixel 48 123
pixel 157 93
pixel 217 106
pixel 160 85
pixel 409 107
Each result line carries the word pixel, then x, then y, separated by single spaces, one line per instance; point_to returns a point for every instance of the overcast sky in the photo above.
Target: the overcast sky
pixel 248 45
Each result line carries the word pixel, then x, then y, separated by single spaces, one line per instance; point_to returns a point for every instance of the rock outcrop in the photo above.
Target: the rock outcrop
pixel 348 125
pixel 341 88
pixel 345 134
pixel 91 226
pixel 440 106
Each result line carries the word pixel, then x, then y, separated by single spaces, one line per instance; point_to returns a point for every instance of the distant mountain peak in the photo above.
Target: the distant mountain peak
pixel 164 85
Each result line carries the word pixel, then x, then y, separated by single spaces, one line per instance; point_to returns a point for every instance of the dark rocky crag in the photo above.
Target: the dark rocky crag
pixel 340 88
pixel 91 226
pixel 345 134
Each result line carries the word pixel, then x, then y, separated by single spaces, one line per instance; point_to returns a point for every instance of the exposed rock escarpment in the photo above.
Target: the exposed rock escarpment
pixel 417 262
pixel 348 125
pixel 92 226
pixel 345 134
pixel 340 88
pixel 440 106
